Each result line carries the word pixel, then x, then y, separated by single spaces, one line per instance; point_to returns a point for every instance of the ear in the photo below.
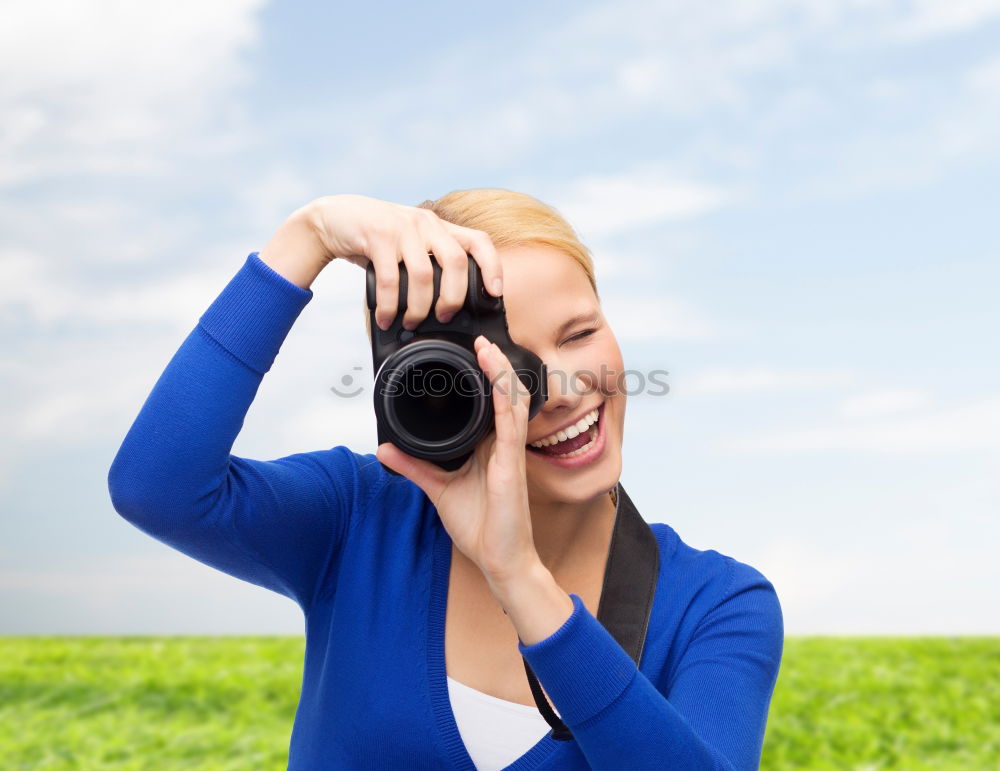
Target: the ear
pixel 428 476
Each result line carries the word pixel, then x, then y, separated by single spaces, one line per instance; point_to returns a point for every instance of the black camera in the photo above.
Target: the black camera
pixel 432 399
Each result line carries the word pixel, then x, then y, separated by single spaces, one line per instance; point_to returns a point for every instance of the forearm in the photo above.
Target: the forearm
pixel 711 715
pixel 639 730
pixel 177 450
pixel 639 718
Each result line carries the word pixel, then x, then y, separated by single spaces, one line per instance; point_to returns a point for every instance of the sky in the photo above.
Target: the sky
pixel 791 206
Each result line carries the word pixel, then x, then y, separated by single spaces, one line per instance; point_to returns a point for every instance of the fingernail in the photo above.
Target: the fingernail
pixel 444 318
pixel 497 287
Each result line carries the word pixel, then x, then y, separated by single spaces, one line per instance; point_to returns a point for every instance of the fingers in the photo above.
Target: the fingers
pixel 454 264
pixel 510 400
pixel 386 262
pixel 479 245
pixel 430 478
pixel 419 278
pixel 414 239
pixel 416 245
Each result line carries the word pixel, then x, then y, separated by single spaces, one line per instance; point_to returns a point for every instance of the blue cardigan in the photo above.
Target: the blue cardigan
pixel 366 557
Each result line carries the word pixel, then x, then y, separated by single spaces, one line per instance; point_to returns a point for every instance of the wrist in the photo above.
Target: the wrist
pixel 536 605
pixel 532 572
pixel 296 250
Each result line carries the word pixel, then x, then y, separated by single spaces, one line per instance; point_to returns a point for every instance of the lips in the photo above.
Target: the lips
pixel 583 458
pixel 582 425
pixel 569 445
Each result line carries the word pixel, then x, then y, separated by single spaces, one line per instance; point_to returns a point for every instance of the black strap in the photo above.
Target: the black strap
pixel 630 576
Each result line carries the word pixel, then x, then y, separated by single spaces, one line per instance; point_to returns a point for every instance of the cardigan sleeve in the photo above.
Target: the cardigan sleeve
pixel 713 712
pixel 276 523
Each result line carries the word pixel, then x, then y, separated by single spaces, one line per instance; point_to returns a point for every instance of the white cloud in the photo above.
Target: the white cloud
pixel 600 68
pixel 857 586
pixel 164 593
pixel 118 575
pixel 37 290
pixel 918 131
pixel 931 18
pixel 663 64
pixel 965 428
pixel 326 420
pixel 647 318
pixel 984 78
pixel 72 412
pixel 71 393
pixel 729 381
pixel 883 402
pixel 275 194
pixel 100 86
pixel 601 205
pixel 612 263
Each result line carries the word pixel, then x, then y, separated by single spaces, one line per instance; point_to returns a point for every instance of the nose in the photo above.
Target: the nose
pixel 567 389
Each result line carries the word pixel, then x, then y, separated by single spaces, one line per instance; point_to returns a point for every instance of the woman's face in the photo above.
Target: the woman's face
pixel 553 311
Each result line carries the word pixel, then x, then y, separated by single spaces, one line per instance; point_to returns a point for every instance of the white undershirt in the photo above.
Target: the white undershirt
pixel 495 732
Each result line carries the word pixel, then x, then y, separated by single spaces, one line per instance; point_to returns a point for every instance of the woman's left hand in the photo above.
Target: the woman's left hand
pixel 484 504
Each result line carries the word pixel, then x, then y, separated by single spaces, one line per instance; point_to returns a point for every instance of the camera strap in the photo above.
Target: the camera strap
pixel 630 576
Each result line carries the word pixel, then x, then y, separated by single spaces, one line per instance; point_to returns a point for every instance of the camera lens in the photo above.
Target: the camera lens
pixel 433 399
pixel 437 402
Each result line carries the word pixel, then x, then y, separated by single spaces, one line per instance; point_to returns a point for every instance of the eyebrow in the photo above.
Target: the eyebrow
pixel 589 316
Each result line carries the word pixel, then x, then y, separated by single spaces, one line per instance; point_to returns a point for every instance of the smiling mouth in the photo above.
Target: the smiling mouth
pixel 571 446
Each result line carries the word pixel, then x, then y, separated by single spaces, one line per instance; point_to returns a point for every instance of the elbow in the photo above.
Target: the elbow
pixel 141 496
pixel 156 500
pixel 126 492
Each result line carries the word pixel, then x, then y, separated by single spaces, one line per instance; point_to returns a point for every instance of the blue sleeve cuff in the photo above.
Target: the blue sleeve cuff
pixel 255 311
pixel 581 666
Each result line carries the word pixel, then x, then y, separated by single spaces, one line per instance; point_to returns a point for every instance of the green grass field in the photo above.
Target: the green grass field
pixel 228 703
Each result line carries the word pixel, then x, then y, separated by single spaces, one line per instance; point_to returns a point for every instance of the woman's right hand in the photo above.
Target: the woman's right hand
pixel 360 229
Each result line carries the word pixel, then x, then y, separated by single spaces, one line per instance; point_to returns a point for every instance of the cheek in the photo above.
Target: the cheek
pixel 600 366
pixel 609 368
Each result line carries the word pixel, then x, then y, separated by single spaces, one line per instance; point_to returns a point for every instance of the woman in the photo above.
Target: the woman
pixel 422 592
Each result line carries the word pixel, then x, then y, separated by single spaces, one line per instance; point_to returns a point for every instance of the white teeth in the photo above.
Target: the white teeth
pixel 568 433
pixel 583 449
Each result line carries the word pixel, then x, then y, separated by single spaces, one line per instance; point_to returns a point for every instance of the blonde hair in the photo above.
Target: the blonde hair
pixel 513 219
pixel 510 219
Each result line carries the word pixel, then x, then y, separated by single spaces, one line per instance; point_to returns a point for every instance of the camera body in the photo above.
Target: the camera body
pixel 432 399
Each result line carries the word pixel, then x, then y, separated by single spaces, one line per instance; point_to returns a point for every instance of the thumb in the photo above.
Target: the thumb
pixel 427 476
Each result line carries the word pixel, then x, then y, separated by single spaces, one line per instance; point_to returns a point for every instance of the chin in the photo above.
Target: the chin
pixel 579 485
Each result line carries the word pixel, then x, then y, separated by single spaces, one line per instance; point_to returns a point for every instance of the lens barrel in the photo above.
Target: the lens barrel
pixel 433 400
